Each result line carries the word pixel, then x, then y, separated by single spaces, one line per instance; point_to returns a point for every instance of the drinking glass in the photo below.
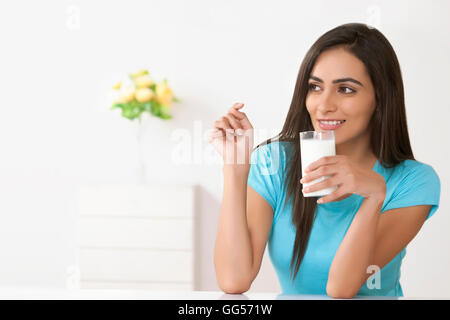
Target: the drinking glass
pixel 313 146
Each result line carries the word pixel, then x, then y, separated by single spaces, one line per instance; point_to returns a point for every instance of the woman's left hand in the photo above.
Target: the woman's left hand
pixel 348 176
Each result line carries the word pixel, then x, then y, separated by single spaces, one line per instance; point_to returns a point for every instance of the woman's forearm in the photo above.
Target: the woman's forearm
pixel 348 271
pixel 233 251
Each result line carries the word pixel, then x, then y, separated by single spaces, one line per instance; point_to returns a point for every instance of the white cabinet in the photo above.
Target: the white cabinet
pixel 137 237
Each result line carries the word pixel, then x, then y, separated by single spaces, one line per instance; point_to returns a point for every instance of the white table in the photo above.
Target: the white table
pixel 34 293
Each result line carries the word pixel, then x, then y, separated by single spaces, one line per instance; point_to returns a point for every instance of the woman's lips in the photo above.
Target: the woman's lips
pixel 330 124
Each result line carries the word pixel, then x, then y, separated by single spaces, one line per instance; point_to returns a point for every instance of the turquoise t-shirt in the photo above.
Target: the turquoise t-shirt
pixel 409 183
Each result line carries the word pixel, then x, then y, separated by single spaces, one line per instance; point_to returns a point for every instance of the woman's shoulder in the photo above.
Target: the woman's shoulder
pixel 410 183
pixel 272 155
pixel 414 167
pixel 412 173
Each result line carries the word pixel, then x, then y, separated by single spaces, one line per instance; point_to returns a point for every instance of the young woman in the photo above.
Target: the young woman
pixel 350 82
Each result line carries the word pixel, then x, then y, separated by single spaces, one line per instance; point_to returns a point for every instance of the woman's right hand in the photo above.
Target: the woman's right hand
pixel 232 137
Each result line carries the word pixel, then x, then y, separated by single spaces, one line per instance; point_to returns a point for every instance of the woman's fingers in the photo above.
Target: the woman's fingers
pixel 230 125
pixel 226 129
pixel 237 105
pixel 320 172
pixel 241 116
pixel 216 133
pixel 336 194
pixel 322 162
pixel 235 124
pixel 327 183
pixel 222 124
pixel 231 138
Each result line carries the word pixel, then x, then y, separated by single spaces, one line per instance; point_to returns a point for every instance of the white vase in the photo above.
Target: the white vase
pixel 141 170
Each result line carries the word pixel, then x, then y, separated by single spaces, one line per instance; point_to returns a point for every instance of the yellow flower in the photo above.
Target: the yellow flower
pixel 144 94
pixel 117 85
pixel 164 94
pixel 143 81
pixel 126 95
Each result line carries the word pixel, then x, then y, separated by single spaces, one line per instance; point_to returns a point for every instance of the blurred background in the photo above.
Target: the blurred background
pixel 75 209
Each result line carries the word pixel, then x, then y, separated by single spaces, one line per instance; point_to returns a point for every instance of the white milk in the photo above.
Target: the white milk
pixel 312 150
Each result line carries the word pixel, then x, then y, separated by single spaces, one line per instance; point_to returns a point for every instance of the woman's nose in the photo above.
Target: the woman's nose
pixel 327 103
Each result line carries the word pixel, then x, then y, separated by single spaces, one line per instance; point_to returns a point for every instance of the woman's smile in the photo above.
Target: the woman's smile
pixel 330 124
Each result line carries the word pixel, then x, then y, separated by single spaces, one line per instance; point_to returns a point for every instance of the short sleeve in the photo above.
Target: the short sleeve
pixel 420 186
pixel 264 175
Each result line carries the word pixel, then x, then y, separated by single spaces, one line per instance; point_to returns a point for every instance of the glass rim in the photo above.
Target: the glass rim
pixel 319 135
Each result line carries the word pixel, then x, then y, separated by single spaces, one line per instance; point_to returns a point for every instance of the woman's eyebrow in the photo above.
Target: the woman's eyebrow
pixel 338 80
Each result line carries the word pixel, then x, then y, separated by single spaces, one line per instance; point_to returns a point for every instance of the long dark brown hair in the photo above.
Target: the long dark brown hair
pixel 389 133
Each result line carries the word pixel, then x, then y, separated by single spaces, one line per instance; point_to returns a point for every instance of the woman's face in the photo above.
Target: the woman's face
pixel 340 96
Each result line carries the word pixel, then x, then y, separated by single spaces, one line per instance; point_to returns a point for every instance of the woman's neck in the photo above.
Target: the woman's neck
pixel 358 150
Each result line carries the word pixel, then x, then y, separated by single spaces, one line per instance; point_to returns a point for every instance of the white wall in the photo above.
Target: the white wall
pixel 59 59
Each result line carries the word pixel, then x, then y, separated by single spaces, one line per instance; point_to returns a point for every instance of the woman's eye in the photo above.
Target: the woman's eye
pixel 346 90
pixel 313 87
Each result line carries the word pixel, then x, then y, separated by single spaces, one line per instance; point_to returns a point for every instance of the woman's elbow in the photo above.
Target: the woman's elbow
pixel 234 287
pixel 340 293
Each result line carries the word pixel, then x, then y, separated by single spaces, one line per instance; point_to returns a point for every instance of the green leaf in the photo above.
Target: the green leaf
pixel 165 109
pixel 131 110
pixel 116 105
pixel 137 74
pixel 175 99
pixel 155 108
pixel 165 112
pixel 165 116
pixel 147 106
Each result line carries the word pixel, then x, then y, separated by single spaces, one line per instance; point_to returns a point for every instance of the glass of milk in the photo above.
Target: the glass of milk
pixel 313 146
